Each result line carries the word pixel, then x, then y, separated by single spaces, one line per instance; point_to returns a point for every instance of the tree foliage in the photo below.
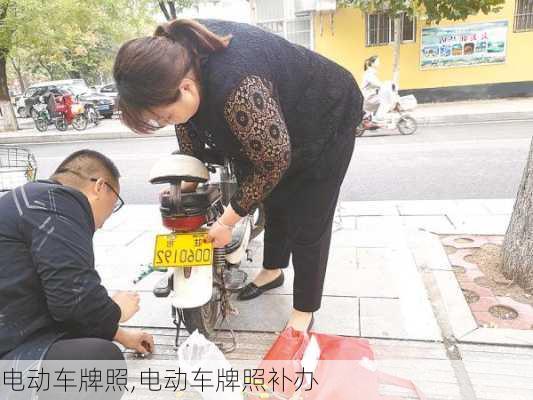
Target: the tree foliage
pixel 434 10
pixel 58 39
pixel 172 8
pixel 63 38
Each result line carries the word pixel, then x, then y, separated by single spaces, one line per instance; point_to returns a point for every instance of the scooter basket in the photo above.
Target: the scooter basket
pixel 17 166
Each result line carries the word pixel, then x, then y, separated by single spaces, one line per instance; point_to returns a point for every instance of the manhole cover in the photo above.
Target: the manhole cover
pixel 463 240
pixel 470 296
pixel 450 249
pixel 503 312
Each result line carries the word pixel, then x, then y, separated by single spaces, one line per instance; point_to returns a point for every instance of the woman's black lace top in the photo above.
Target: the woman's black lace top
pixel 271 106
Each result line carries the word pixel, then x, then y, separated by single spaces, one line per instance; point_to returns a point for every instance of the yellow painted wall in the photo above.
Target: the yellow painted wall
pixel 345 44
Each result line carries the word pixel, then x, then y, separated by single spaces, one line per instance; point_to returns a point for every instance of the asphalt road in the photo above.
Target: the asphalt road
pixel 438 162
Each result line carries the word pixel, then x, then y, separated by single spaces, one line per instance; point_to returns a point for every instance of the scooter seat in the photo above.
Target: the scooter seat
pixel 178 167
pixel 202 198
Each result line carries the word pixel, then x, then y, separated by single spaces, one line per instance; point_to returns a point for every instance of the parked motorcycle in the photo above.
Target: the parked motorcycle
pixel 397 117
pixel 92 114
pixel 70 112
pixel 199 278
pixel 83 115
pixel 41 116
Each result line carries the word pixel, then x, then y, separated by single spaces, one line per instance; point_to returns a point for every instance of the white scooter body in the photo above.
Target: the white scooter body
pixel 193 287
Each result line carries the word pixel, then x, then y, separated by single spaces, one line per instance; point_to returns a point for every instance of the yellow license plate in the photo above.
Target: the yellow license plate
pixel 182 250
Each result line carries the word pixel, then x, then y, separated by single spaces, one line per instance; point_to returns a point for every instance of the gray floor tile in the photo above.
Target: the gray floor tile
pixel 372 258
pixel 357 208
pixel 269 313
pixel 116 238
pixel 427 207
pixel 500 206
pixel 338 316
pixel 367 282
pixel 382 318
pixel 266 313
pixel 388 318
pixel 154 312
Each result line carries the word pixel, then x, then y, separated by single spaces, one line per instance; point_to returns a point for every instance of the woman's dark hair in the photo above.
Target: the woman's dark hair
pixel 148 70
pixel 370 61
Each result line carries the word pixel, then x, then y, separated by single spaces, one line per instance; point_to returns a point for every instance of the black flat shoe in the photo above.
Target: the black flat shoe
pixel 251 291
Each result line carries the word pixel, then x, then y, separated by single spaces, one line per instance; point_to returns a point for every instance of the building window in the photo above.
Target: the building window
pixel 278 16
pixel 380 29
pixel 297 30
pixel 523 17
pixel 273 26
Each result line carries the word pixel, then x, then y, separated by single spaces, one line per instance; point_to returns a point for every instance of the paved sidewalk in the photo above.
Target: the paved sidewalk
pixel 426 114
pixel 475 111
pixel 388 279
pixel 107 129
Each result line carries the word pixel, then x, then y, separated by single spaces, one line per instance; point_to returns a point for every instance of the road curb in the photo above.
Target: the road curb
pixel 76 136
pixel 71 136
pixel 472 118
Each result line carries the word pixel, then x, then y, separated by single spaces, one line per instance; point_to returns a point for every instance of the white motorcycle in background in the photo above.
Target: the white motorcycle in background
pixel 397 115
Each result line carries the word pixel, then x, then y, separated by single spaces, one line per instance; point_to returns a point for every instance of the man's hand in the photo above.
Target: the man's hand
pixel 139 341
pixel 128 303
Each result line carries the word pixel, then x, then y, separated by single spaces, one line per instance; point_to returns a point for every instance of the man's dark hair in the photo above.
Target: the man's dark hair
pixel 88 164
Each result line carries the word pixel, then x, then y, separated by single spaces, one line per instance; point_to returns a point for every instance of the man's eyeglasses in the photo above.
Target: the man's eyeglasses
pixel 120 201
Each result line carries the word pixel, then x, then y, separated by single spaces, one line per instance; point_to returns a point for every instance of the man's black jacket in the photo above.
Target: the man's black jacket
pixel 48 283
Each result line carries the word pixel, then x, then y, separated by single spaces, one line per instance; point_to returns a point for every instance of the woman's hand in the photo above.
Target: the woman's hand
pixel 220 235
pixel 221 231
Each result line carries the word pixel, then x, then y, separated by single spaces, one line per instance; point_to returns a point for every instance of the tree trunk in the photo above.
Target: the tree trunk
pixel 20 78
pixel 518 243
pixel 8 115
pixel 74 74
pixel 164 10
pixel 47 69
pixel 396 52
pixel 172 7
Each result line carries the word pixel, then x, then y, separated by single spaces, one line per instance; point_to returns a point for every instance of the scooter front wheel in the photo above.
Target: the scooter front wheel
pixel 79 122
pixel 61 124
pixel 41 124
pixel 407 125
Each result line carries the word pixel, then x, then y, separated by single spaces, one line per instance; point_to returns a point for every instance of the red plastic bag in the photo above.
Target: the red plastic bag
pixel 344 370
